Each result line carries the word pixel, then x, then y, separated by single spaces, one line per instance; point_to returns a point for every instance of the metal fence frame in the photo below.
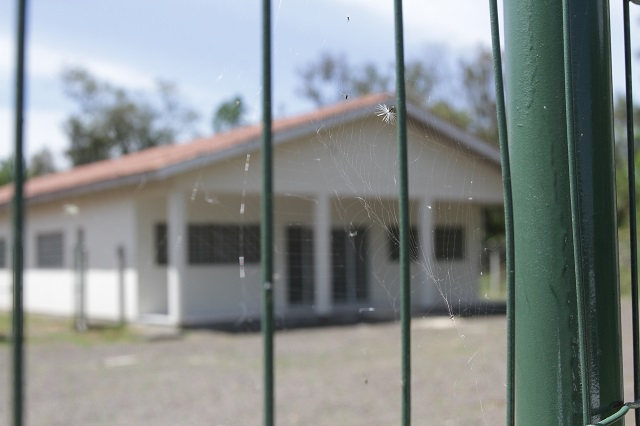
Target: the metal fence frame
pixel 583 129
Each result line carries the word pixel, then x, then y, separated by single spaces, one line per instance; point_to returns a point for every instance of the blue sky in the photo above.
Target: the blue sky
pixel 211 48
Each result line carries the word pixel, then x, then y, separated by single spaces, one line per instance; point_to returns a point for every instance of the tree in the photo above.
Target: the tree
pixel 479 93
pixel 6 171
pixel 42 163
pixel 622 169
pixel 332 78
pixel 229 114
pixel 111 121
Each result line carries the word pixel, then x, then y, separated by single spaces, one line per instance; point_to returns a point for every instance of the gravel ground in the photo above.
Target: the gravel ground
pixel 345 375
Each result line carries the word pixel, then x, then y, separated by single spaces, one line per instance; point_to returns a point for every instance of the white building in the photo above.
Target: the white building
pixel 172 233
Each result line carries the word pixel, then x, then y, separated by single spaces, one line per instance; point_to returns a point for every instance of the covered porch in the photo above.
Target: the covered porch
pixel 199 259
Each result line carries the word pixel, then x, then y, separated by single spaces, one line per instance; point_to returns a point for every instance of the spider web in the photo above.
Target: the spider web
pixel 359 169
pixel 334 374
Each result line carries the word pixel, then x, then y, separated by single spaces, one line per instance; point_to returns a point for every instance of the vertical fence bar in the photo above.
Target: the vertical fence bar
pixel 80 323
pixel 122 288
pixel 405 255
pixel 266 228
pixel 508 208
pixel 575 210
pixel 590 121
pixel 633 229
pixel 18 222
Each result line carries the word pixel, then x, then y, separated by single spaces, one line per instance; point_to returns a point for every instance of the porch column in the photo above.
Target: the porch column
pixel 176 251
pixel 427 294
pixel 322 254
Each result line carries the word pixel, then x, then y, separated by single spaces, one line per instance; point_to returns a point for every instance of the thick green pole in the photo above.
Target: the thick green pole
pixel 548 357
pixel 403 183
pixel 18 231
pixel 266 227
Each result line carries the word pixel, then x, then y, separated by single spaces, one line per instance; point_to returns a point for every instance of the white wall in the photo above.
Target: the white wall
pixel 107 222
pixel 359 159
pixel 354 164
pixel 151 209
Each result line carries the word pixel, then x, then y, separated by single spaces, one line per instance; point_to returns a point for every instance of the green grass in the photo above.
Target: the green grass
pixel 485 290
pixel 624 252
pixel 40 328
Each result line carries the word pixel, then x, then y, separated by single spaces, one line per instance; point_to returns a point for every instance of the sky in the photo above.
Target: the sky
pixel 211 49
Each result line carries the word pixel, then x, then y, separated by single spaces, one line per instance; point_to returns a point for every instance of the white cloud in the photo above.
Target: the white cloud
pixel 43 129
pixel 460 24
pixel 46 62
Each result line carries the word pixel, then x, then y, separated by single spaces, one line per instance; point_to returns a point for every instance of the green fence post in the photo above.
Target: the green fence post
pixel 403 225
pixel 548 373
pixel 508 208
pixel 266 227
pixel 18 231
pixel 633 226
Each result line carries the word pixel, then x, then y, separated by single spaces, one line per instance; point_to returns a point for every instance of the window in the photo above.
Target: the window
pixel 160 243
pixel 394 243
pixel 300 264
pixel 349 265
pixel 449 243
pixel 3 253
pixel 210 243
pixel 50 250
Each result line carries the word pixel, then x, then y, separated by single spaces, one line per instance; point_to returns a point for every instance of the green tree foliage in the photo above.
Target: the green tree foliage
pixel 622 170
pixel 479 92
pixel 6 171
pixel 230 114
pixel 41 163
pixel 110 121
pixel 332 78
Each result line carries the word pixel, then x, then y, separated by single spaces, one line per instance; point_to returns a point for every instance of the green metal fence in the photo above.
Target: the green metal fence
pixel 563 304
pixel 18 228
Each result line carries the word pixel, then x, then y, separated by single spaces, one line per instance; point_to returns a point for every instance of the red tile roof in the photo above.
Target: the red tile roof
pixel 160 158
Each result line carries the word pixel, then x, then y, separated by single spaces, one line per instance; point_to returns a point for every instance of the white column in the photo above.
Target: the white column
pixel 322 254
pixel 428 292
pixel 176 250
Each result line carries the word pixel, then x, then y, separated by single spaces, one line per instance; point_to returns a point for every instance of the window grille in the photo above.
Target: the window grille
pixel 50 250
pixel 3 253
pixel 223 244
pixel 160 243
pixel 349 268
pixel 449 243
pixel 300 265
pixel 394 244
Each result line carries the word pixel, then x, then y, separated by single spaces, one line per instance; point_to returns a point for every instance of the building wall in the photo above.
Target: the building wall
pixel 359 159
pixel 355 165
pixel 151 209
pixel 107 223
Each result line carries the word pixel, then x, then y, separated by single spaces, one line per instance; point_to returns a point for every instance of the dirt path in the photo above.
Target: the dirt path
pixel 325 376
